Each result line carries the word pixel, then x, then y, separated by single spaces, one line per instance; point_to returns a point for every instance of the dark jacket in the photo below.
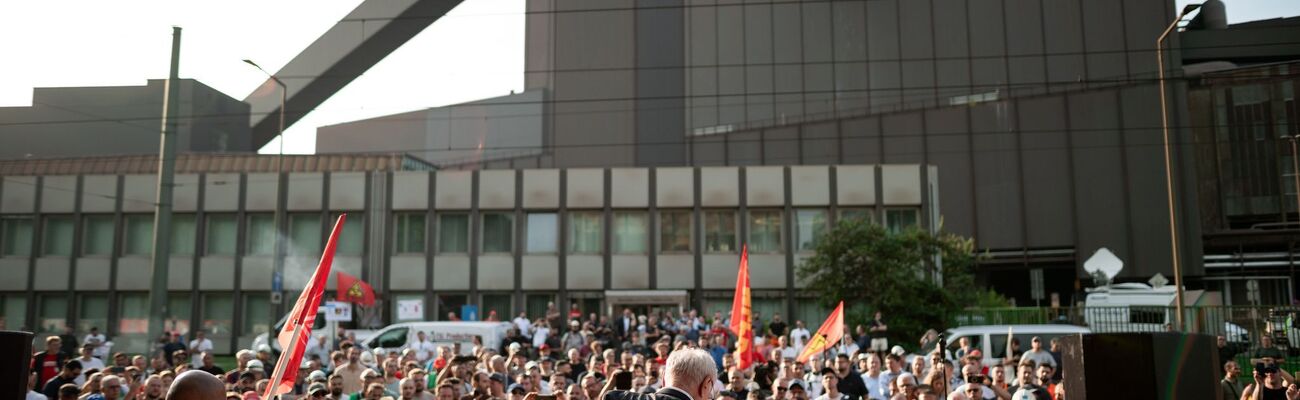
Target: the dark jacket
pixel 852 385
pixel 662 394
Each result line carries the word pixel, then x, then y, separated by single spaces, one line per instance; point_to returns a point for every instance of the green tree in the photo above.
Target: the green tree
pixel 872 268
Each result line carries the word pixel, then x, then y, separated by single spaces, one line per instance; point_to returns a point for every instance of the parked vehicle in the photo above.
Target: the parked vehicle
pixel 991 340
pixel 1137 307
pixel 446 333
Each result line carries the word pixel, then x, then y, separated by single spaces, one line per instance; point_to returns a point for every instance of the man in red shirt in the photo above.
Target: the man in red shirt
pixel 47 363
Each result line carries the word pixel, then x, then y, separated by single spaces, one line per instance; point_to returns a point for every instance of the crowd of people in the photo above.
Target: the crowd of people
pixel 570 356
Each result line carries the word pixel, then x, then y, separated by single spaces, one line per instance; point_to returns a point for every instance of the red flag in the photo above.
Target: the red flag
pixel 742 317
pixel 293 337
pixel 830 332
pixel 353 290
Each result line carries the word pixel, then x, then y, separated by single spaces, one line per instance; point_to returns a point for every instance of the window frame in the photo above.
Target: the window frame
pixel 86 234
pixel 735 231
pixel 401 219
pixel 251 237
pixel 797 243
pixel 572 234
pixel 554 242
pixel 888 221
pixel 690 231
pixel 71 220
pixel 509 216
pixel 440 233
pixel 780 230
pixel 208 225
pixel 6 222
pixel 616 225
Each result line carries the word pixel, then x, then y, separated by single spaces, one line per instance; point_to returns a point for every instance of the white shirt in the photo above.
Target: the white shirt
pixel 33 395
pixel 540 336
pixel 525 326
pixel 86 365
pixel 800 338
pixel 423 349
pixel 789 352
pixel 97 340
pixel 197 349
pixel 873 386
pixel 828 397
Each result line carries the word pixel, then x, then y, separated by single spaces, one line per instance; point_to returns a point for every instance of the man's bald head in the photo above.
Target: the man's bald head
pixel 196 385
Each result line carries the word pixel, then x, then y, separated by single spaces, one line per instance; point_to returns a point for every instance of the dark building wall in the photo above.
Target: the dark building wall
pixel 90 121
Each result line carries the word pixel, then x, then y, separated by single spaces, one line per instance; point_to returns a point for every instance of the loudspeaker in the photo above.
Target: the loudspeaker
pixel 1164 366
pixel 15 358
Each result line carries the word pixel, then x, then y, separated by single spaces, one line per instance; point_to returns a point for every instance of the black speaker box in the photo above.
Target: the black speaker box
pixel 15 358
pixel 1157 366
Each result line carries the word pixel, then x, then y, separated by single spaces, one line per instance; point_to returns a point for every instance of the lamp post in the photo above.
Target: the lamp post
pixel 277 265
pixel 1169 179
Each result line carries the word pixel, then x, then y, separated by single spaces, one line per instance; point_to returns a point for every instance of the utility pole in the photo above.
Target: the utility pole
pixel 162 223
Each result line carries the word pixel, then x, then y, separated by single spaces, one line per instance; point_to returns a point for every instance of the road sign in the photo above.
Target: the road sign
pixel 1036 284
pixel 1105 262
pixel 277 287
pixel 1158 281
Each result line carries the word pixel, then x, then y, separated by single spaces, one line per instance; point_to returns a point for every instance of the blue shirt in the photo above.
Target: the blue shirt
pixel 718 352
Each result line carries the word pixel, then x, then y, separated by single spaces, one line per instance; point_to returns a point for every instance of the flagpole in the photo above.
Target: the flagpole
pixel 280 364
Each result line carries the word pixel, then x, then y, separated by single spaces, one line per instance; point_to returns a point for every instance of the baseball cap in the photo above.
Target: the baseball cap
pixel 977 353
pixel 498 377
pixel 530 365
pixel 264 348
pixel 316 376
pixel 316 387
pixel 864 355
pixel 514 347
pixel 898 351
pixel 515 386
pixel 796 382
pixel 248 374
pixel 255 365
pixel 575 323
pixel 544 347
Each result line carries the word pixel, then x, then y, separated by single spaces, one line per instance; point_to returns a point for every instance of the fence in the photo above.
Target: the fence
pixel 1242 326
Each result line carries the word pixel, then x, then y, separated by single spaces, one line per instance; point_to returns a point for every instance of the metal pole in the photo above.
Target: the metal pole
pixel 1169 179
pixel 1295 173
pixel 277 266
pixel 163 203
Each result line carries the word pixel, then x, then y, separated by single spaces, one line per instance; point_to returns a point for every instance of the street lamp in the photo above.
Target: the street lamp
pixel 1169 179
pixel 278 263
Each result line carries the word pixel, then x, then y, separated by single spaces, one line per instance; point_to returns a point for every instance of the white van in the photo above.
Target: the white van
pixel 991 340
pixel 330 329
pixel 447 333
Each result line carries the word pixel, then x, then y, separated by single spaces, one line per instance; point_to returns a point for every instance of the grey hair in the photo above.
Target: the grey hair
pixel 108 378
pixel 688 368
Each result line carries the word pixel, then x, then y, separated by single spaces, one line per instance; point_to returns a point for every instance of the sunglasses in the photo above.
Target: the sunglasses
pixel 781 389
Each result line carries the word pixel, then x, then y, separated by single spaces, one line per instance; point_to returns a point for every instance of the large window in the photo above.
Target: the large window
pixel 56 239
pixel 542 232
pixel 97 237
pixel 535 305
pixel 257 313
pixel 765 231
pixel 453 233
pixel 304 234
pixel 502 304
pixel 408 232
pixel 92 312
pixel 53 313
pixel 14 309
pixel 674 231
pixel 183 229
pixel 900 219
pixel 261 234
pixel 498 232
pixel 222 234
pixel 177 317
pixel 133 313
pixel 15 236
pixel 352 239
pixel 585 232
pixel 449 305
pixel 138 235
pixel 851 214
pixel 630 235
pixel 810 226
pixel 218 314
pixel 398 298
pixel 720 231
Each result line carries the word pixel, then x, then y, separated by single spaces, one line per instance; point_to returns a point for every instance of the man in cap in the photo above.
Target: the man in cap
pixel 68 374
pixel 88 362
pixel 795 389
pixel 317 391
pixel 516 392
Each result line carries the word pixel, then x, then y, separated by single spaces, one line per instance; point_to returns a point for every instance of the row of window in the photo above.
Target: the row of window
pixel 630 232
pixel 217 311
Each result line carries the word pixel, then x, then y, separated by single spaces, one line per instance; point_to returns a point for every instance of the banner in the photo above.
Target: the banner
pixel 337 311
pixel 410 309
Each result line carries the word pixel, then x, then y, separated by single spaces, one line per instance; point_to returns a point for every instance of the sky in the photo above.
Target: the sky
pixel 475 52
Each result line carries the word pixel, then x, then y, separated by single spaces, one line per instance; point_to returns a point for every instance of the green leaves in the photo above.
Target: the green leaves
pixel 897 273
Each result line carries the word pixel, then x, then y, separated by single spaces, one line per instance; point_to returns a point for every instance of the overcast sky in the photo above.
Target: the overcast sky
pixel 475 52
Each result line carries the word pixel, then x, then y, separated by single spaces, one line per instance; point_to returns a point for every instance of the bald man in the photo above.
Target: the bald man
pixel 196 385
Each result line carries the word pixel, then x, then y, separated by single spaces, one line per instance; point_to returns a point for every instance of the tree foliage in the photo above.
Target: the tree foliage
pixel 873 269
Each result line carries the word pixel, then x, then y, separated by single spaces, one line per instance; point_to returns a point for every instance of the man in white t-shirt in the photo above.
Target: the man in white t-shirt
pixel 525 326
pixel 198 346
pixel 88 362
pixel 1037 354
pixel 98 340
pixel 423 347
pixel 799 336
pixel 541 332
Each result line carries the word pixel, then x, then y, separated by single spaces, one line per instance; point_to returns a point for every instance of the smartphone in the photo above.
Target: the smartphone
pixel 623 380
pixel 545 397
pixel 1259 368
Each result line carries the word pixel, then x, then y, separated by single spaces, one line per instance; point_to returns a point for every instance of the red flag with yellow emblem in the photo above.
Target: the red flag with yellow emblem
pixel 742 316
pixel 830 333
pixel 353 290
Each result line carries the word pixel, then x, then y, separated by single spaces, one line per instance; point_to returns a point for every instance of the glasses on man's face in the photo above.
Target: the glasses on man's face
pixel 781 389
